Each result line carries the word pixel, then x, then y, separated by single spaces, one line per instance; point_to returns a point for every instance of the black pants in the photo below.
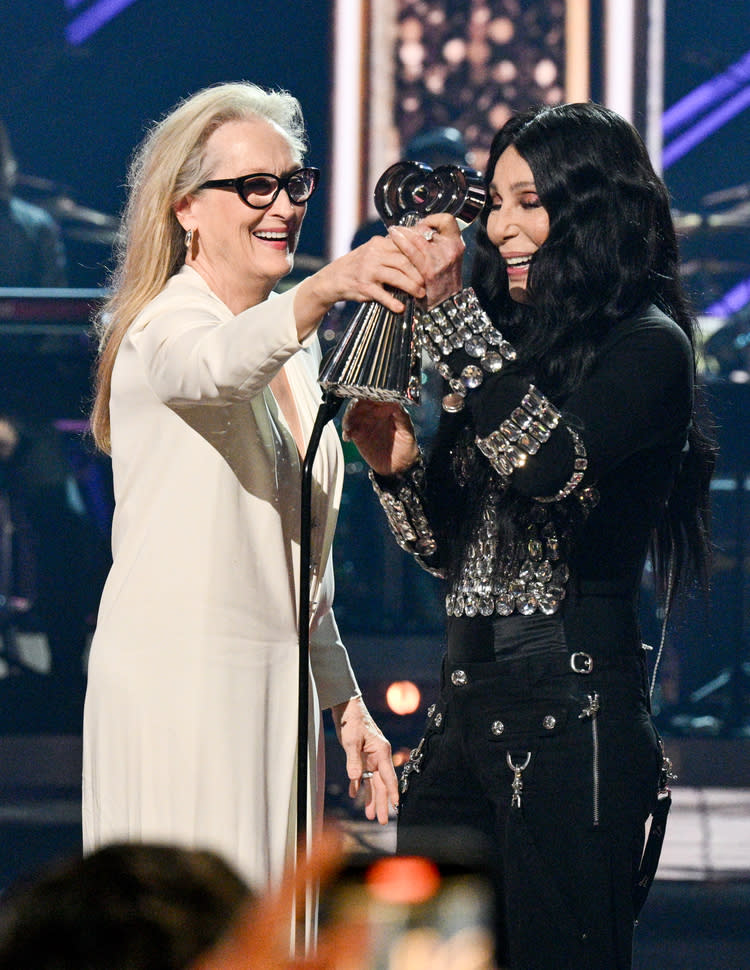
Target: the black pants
pixel 546 774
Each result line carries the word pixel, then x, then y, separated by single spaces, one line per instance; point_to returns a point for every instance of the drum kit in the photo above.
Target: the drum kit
pixel 78 222
pixel 721 704
pixel 724 212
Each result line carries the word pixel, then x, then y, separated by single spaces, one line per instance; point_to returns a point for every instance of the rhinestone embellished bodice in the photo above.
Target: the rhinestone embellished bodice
pixel 528 578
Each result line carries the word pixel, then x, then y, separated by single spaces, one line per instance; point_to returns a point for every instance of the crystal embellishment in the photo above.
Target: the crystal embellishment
pixel 460 323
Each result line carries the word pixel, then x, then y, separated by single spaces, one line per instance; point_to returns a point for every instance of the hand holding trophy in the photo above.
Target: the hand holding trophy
pixel 378 357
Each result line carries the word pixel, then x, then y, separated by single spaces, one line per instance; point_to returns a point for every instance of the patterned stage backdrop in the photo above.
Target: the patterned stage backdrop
pixel 471 63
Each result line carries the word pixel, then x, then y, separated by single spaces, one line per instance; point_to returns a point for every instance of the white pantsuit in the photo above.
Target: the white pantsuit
pixel 190 724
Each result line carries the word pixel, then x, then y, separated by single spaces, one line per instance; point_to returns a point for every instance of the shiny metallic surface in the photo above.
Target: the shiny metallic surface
pixel 378 357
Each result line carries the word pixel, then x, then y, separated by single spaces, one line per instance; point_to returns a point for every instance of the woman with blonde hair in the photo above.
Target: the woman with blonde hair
pixel 206 396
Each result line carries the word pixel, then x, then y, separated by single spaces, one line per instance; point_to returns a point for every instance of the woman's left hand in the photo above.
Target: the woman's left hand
pixel 383 433
pixel 368 758
pixel 436 249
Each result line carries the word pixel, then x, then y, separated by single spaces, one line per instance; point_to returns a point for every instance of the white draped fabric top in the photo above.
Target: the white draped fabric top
pixel 190 724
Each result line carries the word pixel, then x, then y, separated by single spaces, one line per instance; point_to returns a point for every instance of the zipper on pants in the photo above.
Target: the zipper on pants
pixel 590 711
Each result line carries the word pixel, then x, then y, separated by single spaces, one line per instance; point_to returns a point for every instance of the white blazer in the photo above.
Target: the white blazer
pixel 190 721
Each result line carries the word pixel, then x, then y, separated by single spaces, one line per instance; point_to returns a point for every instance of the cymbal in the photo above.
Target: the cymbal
pixel 687 222
pixel 99 237
pixel 731 194
pixel 712 267
pixel 57 200
pixel 692 223
pixel 39 184
pixel 65 208
pixel 736 218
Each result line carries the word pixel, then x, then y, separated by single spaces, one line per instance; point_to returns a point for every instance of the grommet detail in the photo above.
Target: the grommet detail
pixel 497 728
pixel 459 678
pixel 549 722
pixel 581 663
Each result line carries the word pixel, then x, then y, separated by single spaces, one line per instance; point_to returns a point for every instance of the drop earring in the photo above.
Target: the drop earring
pixel 188 239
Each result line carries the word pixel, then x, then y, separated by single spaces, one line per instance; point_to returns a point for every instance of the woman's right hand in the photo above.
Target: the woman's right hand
pixel 371 272
pixel 384 435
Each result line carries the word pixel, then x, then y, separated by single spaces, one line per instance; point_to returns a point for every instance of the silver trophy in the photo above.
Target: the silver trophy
pixel 378 356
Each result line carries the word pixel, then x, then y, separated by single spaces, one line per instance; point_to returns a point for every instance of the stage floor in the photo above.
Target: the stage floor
pixel 695 917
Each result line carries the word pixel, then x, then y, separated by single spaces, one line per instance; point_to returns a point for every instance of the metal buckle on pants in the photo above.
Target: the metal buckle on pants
pixel 581 663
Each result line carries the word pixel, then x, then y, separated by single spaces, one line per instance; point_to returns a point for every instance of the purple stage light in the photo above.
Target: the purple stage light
pixel 732 301
pixel 693 136
pixel 700 99
pixel 93 18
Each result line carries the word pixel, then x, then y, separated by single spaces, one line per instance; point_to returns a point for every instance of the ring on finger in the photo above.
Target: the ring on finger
pixel 366 775
pixel 428 234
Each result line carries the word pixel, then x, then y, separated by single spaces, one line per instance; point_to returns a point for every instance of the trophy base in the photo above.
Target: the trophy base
pixel 384 395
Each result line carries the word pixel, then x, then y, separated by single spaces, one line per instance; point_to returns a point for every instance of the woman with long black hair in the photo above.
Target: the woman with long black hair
pixel 570 447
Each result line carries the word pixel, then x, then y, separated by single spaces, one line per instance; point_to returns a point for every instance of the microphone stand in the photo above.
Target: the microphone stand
pixel 405 191
pixel 328 409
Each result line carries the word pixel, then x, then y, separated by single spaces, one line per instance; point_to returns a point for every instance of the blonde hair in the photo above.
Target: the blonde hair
pixel 170 164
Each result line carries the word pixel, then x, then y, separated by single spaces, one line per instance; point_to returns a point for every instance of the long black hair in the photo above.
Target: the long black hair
pixel 611 249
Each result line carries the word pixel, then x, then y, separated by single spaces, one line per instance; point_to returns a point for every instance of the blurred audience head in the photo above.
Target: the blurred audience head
pixel 124 907
pixel 438 146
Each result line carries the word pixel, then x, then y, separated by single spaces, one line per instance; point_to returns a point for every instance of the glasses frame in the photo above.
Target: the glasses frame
pixel 282 182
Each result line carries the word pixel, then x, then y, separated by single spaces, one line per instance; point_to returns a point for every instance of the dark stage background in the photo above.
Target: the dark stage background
pixel 74 113
pixel 75 110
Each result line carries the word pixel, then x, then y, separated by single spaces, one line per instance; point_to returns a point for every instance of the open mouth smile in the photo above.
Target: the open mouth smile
pixel 518 262
pixel 280 238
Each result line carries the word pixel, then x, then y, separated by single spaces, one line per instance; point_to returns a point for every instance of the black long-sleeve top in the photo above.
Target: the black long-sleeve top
pixel 630 415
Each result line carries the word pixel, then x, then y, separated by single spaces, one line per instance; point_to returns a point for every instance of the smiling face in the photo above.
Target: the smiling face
pixel 518 223
pixel 242 253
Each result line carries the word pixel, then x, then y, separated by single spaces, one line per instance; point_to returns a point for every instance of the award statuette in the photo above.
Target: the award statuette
pixel 377 356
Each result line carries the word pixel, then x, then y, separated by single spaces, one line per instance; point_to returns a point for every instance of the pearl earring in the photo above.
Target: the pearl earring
pixel 188 239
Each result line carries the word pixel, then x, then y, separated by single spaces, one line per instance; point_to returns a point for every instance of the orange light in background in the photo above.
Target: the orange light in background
pixel 403 880
pixel 403 697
